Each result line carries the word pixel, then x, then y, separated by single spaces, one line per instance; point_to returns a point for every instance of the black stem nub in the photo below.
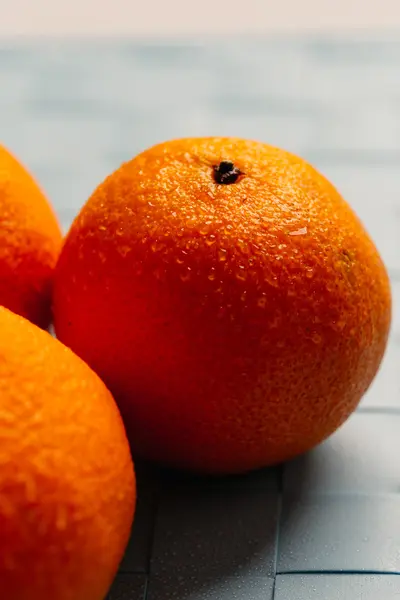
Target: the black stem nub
pixel 226 172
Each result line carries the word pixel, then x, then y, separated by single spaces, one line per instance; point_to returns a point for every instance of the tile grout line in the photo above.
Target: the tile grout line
pixel 146 587
pixel 278 527
pixel 342 573
pixel 157 503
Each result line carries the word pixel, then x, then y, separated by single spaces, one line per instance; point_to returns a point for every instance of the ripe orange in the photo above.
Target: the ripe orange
pixel 67 485
pixel 230 299
pixel 30 241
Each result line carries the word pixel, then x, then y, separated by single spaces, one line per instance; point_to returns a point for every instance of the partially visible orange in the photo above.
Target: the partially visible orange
pixel 67 484
pixel 30 241
pixel 238 312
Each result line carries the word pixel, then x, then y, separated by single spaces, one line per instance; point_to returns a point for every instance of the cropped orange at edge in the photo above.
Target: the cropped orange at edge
pixel 67 482
pixel 30 241
pixel 230 299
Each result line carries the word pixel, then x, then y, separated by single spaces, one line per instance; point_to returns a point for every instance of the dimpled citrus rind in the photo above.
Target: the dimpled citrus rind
pixel 30 241
pixel 67 484
pixel 236 325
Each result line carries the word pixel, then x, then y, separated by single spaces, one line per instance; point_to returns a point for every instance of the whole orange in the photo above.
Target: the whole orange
pixel 30 241
pixel 67 484
pixel 230 299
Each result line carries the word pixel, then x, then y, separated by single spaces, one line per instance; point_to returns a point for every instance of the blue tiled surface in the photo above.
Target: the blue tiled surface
pixel 73 111
pixel 361 457
pixel 212 533
pixel 337 587
pixel 184 588
pixel 337 532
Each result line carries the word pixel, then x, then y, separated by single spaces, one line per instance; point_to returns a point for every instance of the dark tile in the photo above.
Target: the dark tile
pixel 190 588
pixel 340 533
pixel 128 587
pixel 337 587
pixel 216 532
pixel 137 554
pixel 268 479
pixel 362 456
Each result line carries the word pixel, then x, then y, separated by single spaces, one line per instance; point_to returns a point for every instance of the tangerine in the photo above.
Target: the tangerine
pixel 229 297
pixel 30 241
pixel 67 484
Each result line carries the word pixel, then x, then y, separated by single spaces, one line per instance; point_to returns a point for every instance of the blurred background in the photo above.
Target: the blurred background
pixel 84 85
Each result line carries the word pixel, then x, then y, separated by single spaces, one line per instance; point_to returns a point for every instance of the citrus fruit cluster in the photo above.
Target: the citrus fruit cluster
pixel 219 308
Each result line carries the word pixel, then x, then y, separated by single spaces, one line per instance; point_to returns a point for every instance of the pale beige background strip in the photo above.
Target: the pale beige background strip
pixel 188 17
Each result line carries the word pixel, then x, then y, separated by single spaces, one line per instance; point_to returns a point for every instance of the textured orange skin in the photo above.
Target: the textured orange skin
pixel 236 325
pixel 30 241
pixel 67 484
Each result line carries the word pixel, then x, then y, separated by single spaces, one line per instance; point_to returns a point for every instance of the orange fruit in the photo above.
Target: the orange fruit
pixel 67 484
pixel 230 299
pixel 30 241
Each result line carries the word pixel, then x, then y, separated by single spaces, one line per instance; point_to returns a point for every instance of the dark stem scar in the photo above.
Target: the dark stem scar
pixel 226 172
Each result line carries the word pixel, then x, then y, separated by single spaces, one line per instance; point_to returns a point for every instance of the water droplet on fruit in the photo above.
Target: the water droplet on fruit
pixel 222 255
pixel 157 246
pixel 119 232
pixel 261 302
pixel 191 244
pixel 316 338
pixel 301 231
pixel 124 250
pixel 242 245
pixel 159 274
pixel 241 273
pixel 102 257
pixel 185 276
pixel 211 240
pixel 309 273
pixel 211 275
pixel 276 321
pixel 102 228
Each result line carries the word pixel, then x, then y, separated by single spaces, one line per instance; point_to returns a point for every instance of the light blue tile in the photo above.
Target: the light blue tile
pixel 340 533
pixel 384 392
pixel 362 456
pixel 374 194
pixel 337 587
